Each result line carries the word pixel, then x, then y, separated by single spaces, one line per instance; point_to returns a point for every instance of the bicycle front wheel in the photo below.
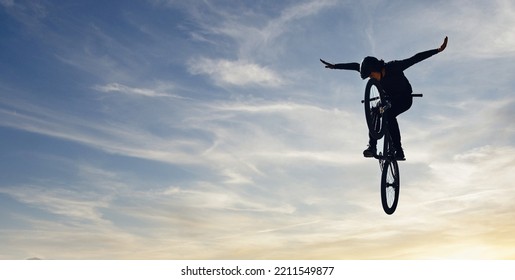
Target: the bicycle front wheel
pixel 390 186
pixel 372 102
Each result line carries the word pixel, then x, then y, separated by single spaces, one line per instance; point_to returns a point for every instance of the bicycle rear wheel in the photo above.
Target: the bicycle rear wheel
pixel 390 186
pixel 372 103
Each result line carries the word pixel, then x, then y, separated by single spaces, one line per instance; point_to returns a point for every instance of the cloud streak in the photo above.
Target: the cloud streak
pixel 133 91
pixel 238 73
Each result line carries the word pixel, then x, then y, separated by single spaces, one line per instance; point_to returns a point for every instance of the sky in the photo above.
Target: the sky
pixel 163 129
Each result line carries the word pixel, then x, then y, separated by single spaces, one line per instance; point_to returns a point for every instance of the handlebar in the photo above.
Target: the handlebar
pixel 377 97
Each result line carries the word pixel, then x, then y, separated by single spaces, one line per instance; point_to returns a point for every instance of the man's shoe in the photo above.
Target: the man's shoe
pixel 399 155
pixel 370 151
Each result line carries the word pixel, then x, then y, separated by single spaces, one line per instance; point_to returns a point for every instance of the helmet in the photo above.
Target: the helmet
pixel 370 64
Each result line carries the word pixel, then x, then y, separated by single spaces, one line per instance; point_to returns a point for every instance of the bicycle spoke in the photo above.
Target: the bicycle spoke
pixel 390 187
pixel 372 102
pixel 390 196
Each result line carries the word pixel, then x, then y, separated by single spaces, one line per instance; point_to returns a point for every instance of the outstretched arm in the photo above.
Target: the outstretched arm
pixel 406 63
pixel 343 66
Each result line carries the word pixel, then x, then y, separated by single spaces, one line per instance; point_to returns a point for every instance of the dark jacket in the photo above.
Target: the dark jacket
pixel 394 82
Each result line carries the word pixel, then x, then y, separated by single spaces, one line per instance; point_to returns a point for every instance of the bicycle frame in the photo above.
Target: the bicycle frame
pixel 390 177
pixel 376 113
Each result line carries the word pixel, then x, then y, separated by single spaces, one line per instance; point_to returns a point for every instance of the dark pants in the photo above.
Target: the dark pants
pixel 399 106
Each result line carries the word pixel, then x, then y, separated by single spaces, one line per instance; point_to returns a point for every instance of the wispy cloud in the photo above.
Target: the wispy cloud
pixel 134 91
pixel 482 30
pixel 116 137
pixel 237 73
pixel 257 44
pixel 255 40
pixel 491 23
pixel 65 202
pixel 29 14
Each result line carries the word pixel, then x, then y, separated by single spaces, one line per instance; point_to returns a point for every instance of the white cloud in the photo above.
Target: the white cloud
pixel 237 28
pixel 237 73
pixel 481 30
pixel 258 39
pixel 65 202
pixel 215 198
pixel 492 25
pixel 135 91
pixel 113 137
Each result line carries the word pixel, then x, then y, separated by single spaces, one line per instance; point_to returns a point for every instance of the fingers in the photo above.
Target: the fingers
pixel 444 45
pixel 327 64
pixel 324 62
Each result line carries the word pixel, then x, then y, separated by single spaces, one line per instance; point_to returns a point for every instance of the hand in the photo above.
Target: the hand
pixel 327 64
pixel 444 45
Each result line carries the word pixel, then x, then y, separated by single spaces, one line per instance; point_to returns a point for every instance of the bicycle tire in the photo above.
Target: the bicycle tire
pixel 390 186
pixel 372 101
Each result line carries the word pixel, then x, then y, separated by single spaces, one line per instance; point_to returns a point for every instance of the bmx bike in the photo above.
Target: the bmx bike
pixel 377 104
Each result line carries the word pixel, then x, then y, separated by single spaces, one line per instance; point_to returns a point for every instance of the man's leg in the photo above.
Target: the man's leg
pixel 371 150
pixel 395 133
pixel 399 106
